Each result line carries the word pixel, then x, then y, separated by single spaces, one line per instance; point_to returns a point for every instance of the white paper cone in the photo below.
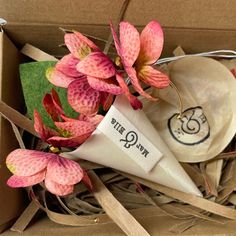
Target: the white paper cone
pixel 158 164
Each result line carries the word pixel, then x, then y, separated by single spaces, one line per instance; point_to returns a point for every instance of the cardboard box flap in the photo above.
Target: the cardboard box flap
pixel 11 200
pixel 201 14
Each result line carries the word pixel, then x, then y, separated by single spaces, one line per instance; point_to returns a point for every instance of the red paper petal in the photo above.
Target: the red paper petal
pixel 87 181
pixel 108 85
pixel 25 181
pixel 64 171
pixel 50 107
pixel 129 43
pixel 56 101
pixel 66 118
pixel 151 40
pixel 154 77
pixel 57 78
pixel 58 189
pixel 82 97
pixel 67 65
pixel 57 141
pixel 24 162
pixel 97 64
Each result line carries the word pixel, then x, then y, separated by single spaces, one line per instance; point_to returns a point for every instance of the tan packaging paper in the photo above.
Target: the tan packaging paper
pixel 145 154
pixel 208 123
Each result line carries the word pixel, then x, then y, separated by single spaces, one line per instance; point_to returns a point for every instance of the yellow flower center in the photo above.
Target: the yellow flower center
pixel 118 62
pixel 11 168
pixel 54 149
pixel 84 51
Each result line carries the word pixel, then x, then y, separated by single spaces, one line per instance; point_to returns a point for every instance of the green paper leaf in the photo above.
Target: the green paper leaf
pixel 35 85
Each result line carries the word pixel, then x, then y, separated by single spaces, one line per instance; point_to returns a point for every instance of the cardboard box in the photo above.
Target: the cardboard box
pixel 196 25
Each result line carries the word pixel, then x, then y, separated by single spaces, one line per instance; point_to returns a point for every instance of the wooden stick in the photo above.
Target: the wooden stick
pixel 17 118
pixel 114 208
pixel 37 54
pixel 25 218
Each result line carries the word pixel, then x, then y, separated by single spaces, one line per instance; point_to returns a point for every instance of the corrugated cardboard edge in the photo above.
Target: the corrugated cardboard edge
pixel 11 200
pixel 210 14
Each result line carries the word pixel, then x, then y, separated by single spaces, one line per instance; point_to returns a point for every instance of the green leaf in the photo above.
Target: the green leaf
pixel 35 85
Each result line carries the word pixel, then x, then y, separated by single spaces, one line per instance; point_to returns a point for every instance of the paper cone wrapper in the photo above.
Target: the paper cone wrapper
pixel 127 141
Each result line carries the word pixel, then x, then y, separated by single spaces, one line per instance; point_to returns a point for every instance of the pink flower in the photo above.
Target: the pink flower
pixel 70 132
pixel 31 167
pixel 139 52
pixel 88 74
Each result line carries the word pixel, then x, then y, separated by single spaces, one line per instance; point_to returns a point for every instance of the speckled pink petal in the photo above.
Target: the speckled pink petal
pixel 43 131
pixel 78 44
pixel 153 77
pixel 96 64
pixel 106 100
pixel 64 171
pixel 115 38
pixel 25 181
pixel 57 78
pixel 75 128
pixel 109 85
pixel 24 162
pixel 95 120
pixel 135 82
pixel 151 40
pixel 135 103
pixel 129 43
pixel 67 65
pixel 82 97
pixel 58 189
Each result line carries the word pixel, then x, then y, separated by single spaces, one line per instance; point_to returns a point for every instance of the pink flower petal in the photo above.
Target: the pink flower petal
pixel 43 131
pixel 115 38
pixel 82 97
pixel 108 85
pixel 24 162
pixel 135 103
pixel 58 189
pixel 96 64
pixel 79 45
pixel 76 128
pixel 135 82
pixel 64 171
pixel 106 100
pixel 95 120
pixel 25 181
pixel 67 65
pixel 154 77
pixel 57 78
pixel 129 43
pixel 151 40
